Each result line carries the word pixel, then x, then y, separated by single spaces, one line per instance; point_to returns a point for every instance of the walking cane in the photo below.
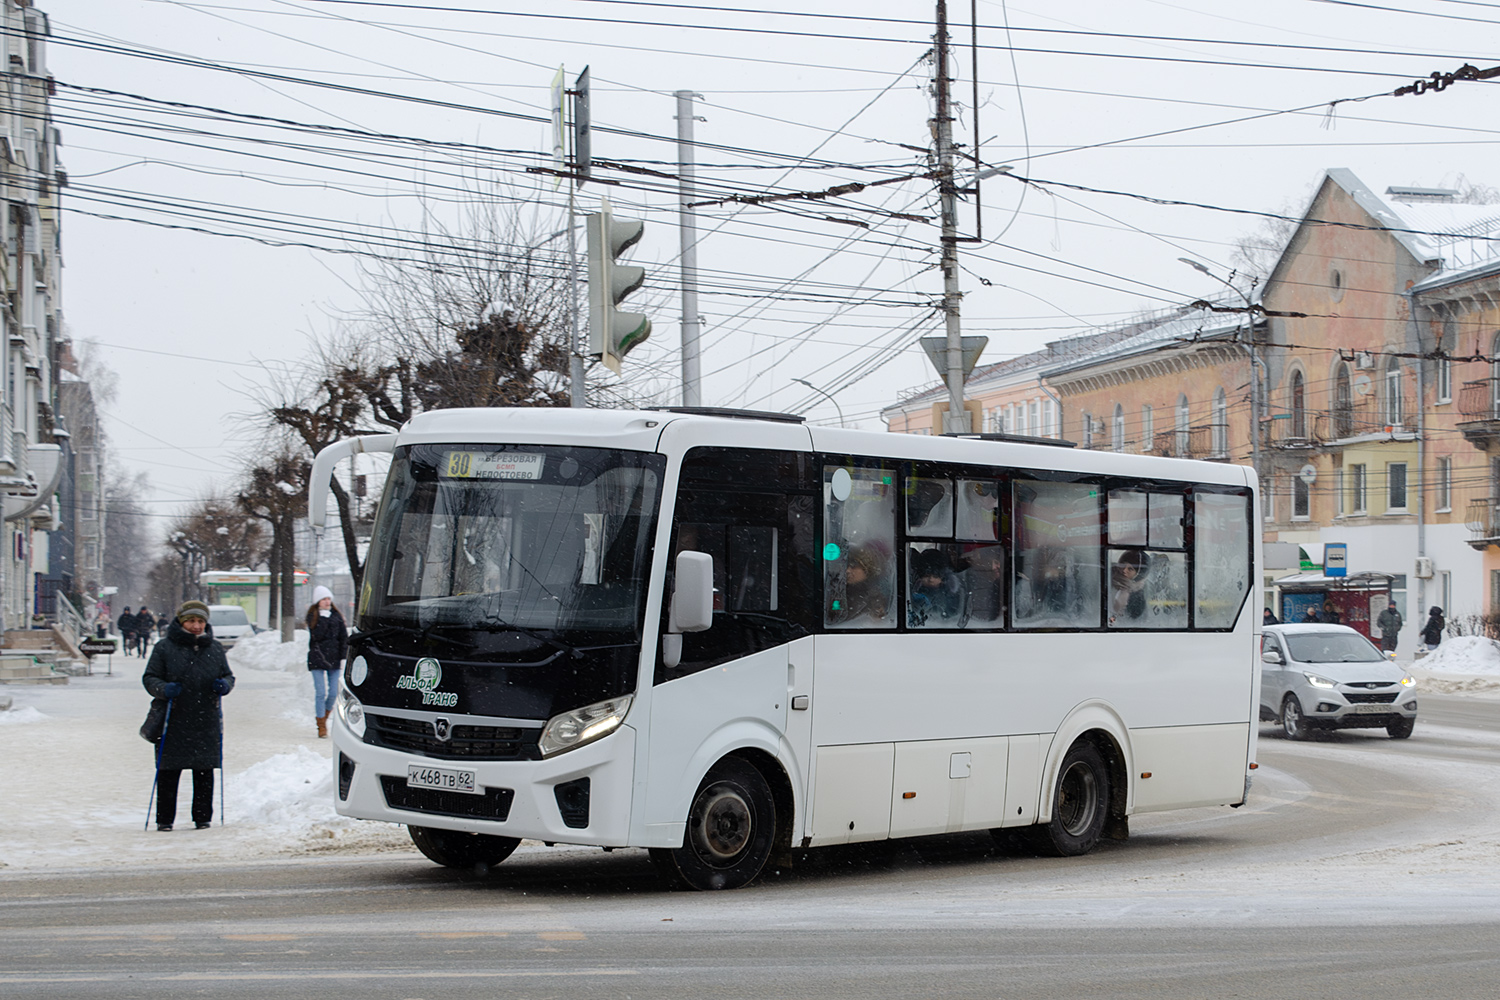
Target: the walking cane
pixel 161 740
pixel 220 700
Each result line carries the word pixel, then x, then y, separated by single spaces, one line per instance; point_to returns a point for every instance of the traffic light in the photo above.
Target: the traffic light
pixel 613 333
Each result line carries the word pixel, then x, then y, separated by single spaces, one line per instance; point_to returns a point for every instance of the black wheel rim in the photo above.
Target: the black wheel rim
pixel 723 825
pixel 1077 799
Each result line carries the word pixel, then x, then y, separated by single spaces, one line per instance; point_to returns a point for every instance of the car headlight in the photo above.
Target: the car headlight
pixel 1318 682
pixel 352 712
pixel 571 730
pixel 1408 681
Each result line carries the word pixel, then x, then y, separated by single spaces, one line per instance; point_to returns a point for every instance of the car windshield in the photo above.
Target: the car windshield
pixel 227 616
pixel 492 537
pixel 1331 647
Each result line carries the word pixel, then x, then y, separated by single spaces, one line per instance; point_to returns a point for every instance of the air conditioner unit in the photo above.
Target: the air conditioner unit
pixel 1424 567
pixel 1364 360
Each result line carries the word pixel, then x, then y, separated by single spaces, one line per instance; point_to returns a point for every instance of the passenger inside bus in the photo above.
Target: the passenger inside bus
pixel 865 591
pixel 1127 586
pixel 936 595
pixel 984 579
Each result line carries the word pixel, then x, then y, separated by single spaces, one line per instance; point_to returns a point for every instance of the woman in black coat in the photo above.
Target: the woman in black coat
pixel 327 644
pixel 190 668
pixel 1432 632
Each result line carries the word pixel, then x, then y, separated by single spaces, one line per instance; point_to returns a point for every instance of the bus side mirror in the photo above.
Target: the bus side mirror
pixel 692 603
pixel 693 597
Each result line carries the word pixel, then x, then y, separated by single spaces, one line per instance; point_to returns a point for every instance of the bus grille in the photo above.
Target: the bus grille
pixel 493 804
pixel 465 743
pixel 1370 699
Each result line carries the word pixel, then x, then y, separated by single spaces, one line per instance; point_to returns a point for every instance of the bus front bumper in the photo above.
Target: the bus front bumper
pixel 578 797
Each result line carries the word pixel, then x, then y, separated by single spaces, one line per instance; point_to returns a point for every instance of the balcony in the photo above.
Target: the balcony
pixel 1484 522
pixel 1479 407
pixel 1194 442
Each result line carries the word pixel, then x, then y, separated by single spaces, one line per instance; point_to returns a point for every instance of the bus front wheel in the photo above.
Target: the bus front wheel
pixel 1079 807
pixel 731 830
pixel 456 849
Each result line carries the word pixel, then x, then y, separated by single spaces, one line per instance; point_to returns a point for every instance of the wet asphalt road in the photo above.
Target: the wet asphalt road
pixel 1359 869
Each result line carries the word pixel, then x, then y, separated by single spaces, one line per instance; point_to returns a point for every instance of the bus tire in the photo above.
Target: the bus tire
pixel 1080 804
pixel 731 830
pixel 456 849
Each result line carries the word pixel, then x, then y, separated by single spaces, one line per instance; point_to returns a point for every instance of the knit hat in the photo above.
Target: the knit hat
pixel 320 592
pixel 192 609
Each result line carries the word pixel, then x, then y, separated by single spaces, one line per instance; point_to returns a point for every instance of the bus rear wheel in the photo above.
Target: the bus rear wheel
pixel 456 849
pixel 1079 807
pixel 731 830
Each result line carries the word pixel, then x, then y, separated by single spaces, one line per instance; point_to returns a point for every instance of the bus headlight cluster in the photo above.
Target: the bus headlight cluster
pixel 352 712
pixel 571 730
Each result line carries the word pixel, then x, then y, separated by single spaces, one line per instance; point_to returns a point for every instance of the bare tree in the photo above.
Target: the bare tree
pixel 126 534
pixel 276 493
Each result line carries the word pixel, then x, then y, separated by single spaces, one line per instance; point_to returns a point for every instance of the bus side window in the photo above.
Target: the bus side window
pixel 751 511
pixel 1057 566
pixel 1221 558
pixel 859 551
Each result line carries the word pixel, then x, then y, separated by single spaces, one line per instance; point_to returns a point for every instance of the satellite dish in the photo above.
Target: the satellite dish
pixel 1362 384
pixel 1307 474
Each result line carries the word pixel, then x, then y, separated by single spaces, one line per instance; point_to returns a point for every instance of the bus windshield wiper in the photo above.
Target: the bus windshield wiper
pixel 499 625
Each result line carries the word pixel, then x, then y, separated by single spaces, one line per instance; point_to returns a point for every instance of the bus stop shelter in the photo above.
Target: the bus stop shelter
pixel 1355 600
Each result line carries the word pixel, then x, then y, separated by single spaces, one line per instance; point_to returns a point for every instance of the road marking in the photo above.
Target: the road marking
pixel 261 937
pixel 231 977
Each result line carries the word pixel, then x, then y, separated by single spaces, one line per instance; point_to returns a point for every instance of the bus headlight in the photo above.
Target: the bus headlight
pixel 352 712
pixel 571 730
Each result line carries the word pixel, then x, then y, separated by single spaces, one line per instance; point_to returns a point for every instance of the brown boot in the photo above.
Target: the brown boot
pixel 322 727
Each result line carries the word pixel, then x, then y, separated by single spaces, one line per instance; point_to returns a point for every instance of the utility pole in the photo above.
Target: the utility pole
pixel 957 418
pixel 692 373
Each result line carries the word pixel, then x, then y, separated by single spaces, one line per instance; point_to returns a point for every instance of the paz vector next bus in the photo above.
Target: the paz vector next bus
pixel 724 636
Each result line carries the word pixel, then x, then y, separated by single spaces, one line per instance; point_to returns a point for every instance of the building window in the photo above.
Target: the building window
pixel 1301 499
pixel 1183 416
pixel 1343 402
pixel 1010 418
pixel 90 553
pixel 86 506
pixel 1299 405
pixel 1357 489
pixel 1395 481
pixel 1444 370
pixel 1395 404
pixel 1445 591
pixel 1117 429
pixel 1147 438
pixel 1088 430
pixel 1339 501
pixel 1444 485
pixel 1221 424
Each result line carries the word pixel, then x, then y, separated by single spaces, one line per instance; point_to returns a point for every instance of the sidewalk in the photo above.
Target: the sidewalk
pixel 77 776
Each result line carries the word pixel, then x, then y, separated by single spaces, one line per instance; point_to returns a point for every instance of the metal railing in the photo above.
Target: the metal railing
pixel 69 619
pixel 1477 400
pixel 1483 519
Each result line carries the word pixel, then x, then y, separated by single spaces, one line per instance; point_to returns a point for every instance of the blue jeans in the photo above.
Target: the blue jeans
pixel 325 690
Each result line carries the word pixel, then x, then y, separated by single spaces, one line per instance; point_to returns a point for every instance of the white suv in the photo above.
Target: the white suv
pixel 1331 677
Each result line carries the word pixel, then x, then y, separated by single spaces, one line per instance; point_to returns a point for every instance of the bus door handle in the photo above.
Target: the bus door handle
pixel 799 703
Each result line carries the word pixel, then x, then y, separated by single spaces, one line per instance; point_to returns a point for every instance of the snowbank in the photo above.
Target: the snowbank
pixel 1465 663
pixel 266 651
pixel 17 716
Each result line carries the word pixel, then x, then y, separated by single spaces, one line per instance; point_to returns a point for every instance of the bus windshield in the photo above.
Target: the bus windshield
pixel 493 537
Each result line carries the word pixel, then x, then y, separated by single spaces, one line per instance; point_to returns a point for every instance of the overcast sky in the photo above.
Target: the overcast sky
pixel 1220 103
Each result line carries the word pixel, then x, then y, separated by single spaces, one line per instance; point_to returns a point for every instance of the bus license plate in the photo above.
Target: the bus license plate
pixel 443 779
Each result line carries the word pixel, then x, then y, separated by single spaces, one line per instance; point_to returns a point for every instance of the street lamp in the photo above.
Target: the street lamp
pixel 835 402
pixel 1255 361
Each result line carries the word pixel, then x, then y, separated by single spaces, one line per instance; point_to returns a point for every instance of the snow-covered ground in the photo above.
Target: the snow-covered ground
pixel 77 776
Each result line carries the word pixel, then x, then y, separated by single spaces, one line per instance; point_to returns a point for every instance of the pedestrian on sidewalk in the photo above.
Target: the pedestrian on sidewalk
pixel 1432 632
pixel 190 668
pixel 126 625
pixel 1389 623
pixel 327 645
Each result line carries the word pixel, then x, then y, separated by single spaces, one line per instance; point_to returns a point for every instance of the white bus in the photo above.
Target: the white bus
pixel 727 636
